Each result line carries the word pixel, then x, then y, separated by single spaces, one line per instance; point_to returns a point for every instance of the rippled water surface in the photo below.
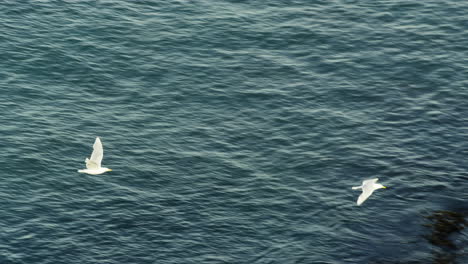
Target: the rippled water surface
pixel 235 130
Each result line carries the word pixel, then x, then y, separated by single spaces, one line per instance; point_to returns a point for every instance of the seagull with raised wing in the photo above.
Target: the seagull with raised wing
pixel 368 187
pixel 93 164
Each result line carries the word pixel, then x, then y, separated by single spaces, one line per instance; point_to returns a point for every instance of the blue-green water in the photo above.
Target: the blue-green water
pixel 235 130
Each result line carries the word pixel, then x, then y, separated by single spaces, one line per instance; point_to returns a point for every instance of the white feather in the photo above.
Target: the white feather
pixel 96 157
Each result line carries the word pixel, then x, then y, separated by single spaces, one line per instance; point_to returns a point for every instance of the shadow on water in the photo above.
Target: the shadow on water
pixel 445 235
pixel 443 224
pixel 444 227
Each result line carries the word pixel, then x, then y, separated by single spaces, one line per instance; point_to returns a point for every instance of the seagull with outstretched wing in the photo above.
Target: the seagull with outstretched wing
pixel 93 164
pixel 367 187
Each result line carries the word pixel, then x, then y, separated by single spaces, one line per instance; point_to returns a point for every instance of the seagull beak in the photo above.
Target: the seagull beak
pixel 109 169
pixel 384 187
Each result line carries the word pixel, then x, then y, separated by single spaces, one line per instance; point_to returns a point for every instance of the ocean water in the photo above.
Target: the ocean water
pixel 235 131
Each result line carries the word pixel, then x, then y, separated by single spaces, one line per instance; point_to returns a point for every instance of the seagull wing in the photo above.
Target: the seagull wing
pixel 371 181
pixel 366 192
pixel 96 157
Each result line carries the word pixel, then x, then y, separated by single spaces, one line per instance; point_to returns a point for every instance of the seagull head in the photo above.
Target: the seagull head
pixel 379 186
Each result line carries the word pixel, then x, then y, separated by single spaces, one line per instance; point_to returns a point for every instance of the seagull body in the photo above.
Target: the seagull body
pixel 367 187
pixel 93 164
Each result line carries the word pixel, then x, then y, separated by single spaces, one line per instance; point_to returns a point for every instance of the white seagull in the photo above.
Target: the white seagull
pixel 367 187
pixel 93 164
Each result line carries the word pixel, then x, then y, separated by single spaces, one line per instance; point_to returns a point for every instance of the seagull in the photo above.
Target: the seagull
pixel 93 164
pixel 368 187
